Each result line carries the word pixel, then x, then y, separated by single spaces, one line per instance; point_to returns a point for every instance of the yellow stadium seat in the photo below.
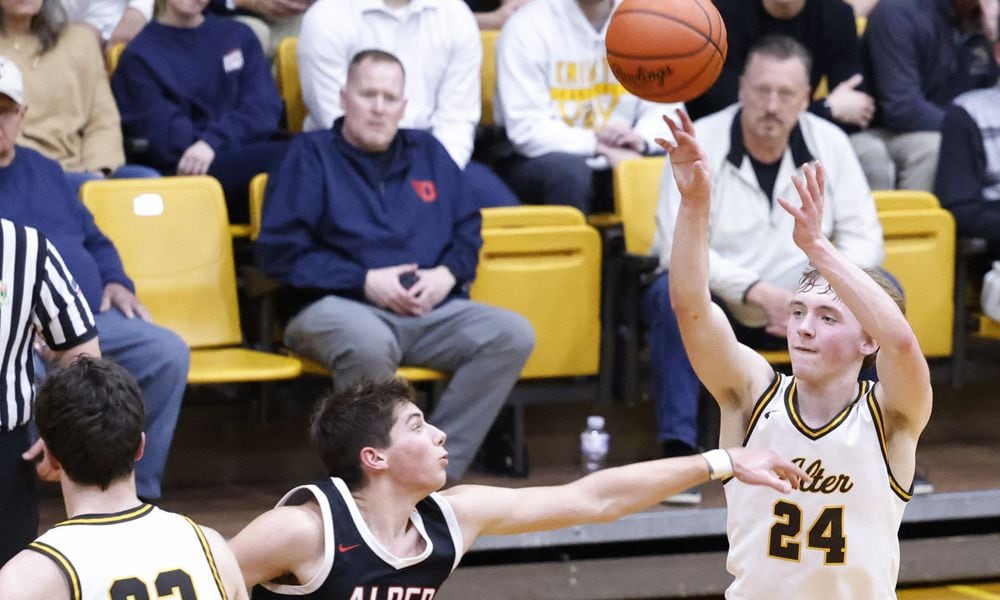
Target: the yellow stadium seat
pixel 637 192
pixel 552 276
pixel 286 63
pixel 257 187
pixel 904 199
pixel 172 235
pixel 920 254
pixel 488 74
pixel 531 216
pixel 111 56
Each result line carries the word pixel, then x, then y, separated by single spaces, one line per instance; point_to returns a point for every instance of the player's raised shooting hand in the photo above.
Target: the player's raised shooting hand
pixel 809 216
pixel 687 159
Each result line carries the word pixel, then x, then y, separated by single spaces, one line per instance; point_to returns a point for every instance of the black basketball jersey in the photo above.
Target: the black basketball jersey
pixel 357 567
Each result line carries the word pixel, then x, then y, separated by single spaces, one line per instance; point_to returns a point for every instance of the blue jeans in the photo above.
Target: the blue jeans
pixel 674 382
pixel 77 178
pixel 158 360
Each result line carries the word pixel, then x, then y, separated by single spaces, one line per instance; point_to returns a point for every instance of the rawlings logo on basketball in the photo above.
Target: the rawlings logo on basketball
pixel 642 76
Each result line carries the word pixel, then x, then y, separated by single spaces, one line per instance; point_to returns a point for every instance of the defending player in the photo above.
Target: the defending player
pixel 376 529
pixel 113 546
pixel 836 537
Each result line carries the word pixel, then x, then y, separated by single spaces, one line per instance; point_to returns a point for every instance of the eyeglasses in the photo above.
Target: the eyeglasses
pixel 762 93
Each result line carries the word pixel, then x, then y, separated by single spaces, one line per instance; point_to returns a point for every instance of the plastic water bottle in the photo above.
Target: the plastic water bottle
pixel 594 442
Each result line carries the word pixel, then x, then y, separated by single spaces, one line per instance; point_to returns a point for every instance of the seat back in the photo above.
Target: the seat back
pixel 920 253
pixel 111 56
pixel 257 187
pixel 904 200
pixel 637 192
pixel 531 216
pixel 552 276
pixel 488 74
pixel 173 238
pixel 286 63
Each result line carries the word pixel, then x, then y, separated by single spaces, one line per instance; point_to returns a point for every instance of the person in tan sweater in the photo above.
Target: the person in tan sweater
pixel 72 117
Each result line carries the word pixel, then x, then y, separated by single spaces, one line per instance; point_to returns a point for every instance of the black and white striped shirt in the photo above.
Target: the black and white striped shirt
pixel 37 294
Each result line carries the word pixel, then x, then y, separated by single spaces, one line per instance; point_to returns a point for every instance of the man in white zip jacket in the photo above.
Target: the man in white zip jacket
pixel 567 117
pixel 754 147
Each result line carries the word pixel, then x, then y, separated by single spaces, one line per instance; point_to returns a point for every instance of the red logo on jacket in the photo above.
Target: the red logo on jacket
pixel 425 189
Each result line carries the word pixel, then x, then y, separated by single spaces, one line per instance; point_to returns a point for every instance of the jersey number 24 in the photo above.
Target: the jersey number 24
pixel 826 533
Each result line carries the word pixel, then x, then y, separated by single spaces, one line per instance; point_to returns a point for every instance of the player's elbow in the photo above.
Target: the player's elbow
pixel 900 340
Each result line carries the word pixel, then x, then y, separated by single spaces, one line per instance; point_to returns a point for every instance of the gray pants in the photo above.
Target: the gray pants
pixel 905 161
pixel 483 347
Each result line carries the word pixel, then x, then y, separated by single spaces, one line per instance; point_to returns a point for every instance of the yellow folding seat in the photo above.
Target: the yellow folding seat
pixel 286 63
pixel 173 237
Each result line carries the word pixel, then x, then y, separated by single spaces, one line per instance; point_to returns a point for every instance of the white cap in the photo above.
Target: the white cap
pixel 595 422
pixel 11 83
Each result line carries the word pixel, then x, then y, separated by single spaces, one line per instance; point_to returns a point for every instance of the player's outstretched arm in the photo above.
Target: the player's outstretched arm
pixel 284 541
pixel 33 576
pixel 733 373
pixel 610 493
pixel 225 562
pixel 904 388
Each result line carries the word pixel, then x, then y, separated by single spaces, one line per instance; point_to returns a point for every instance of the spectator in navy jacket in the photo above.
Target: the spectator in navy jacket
pixel 35 193
pixel 918 57
pixel 196 96
pixel 374 231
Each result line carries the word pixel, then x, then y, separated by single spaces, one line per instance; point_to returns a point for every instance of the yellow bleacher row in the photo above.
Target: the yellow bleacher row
pixel 174 239
pixel 541 261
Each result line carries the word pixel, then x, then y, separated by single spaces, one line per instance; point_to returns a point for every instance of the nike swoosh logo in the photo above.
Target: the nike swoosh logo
pixel 343 548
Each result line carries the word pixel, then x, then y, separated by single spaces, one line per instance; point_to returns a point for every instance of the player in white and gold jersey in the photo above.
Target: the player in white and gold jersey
pixel 113 546
pixel 835 537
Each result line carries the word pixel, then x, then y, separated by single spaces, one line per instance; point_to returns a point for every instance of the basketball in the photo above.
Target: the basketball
pixel 666 50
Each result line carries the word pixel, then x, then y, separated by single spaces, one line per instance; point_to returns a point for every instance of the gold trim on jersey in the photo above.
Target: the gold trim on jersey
pixel 210 557
pixel 791 405
pixel 758 408
pixel 120 517
pixel 72 579
pixel 904 495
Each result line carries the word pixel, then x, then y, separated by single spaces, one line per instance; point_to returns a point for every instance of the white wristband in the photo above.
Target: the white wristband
pixel 720 464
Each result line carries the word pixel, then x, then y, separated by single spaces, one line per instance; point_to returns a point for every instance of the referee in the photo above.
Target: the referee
pixel 37 294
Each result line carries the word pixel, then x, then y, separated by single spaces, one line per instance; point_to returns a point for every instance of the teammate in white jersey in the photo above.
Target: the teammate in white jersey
pixel 835 537
pixel 113 546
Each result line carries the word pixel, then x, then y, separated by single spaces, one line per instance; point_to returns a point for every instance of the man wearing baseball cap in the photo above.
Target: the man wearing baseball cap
pixel 35 194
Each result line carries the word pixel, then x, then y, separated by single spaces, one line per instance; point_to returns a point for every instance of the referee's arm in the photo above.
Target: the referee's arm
pixel 62 314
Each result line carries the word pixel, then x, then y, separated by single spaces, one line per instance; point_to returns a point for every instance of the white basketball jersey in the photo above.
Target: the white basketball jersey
pixel 836 538
pixel 133 555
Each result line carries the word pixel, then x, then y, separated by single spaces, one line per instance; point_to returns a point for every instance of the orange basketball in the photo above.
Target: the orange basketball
pixel 666 50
